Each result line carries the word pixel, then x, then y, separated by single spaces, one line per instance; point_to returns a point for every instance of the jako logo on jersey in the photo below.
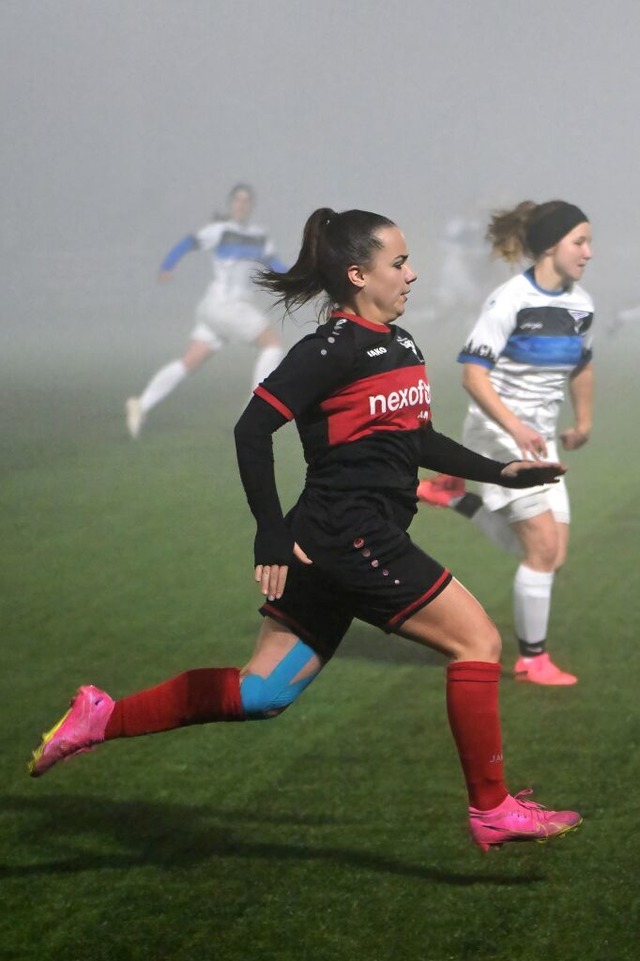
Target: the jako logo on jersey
pixel 376 351
pixel 417 396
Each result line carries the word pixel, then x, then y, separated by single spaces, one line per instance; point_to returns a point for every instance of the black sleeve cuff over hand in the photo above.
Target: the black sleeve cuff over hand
pixel 532 477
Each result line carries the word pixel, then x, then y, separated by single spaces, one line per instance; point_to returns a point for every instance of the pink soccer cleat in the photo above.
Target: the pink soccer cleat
pixel 441 491
pixel 78 730
pixel 542 670
pixel 519 820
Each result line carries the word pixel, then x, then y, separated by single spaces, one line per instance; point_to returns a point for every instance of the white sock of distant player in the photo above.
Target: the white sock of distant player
pixel 161 384
pixel 531 606
pixel 268 359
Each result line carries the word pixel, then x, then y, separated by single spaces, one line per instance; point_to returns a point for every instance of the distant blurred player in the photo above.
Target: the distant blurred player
pixel 461 246
pixel 226 312
pixel 531 339
pixel 630 315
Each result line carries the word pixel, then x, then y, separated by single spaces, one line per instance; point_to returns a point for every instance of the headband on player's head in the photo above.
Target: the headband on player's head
pixel 547 230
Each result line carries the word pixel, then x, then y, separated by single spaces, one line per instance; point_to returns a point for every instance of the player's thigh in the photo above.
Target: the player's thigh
pixel 456 624
pixel 540 540
pixel 275 642
pixel 563 543
pixel 196 354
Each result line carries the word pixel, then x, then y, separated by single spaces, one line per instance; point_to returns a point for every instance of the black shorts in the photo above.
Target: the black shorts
pixel 376 574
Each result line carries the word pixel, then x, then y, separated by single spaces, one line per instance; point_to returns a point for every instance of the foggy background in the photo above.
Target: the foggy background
pixel 127 121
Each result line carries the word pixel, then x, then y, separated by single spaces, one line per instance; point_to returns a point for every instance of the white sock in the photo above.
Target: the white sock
pixel 497 529
pixel 532 604
pixel 161 384
pixel 268 359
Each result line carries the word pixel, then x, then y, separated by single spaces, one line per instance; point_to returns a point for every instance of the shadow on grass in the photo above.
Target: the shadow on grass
pixel 170 836
pixel 370 644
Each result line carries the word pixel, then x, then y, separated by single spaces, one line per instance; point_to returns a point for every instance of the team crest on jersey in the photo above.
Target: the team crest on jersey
pixel 578 316
pixel 409 344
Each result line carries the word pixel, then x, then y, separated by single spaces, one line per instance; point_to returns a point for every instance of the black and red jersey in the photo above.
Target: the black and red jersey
pixel 359 394
pixel 360 397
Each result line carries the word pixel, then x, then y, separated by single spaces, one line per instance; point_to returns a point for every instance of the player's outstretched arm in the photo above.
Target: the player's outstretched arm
pixel 446 456
pixel 176 254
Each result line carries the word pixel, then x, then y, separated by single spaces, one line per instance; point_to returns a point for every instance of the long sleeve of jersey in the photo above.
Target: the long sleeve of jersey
pixel 254 448
pixel 176 253
pixel 440 453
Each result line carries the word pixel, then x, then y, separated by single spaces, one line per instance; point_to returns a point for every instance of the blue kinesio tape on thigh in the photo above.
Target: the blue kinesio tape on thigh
pixel 260 695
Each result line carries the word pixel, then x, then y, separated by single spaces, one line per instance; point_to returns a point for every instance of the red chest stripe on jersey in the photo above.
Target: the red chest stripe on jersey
pixel 270 399
pixel 393 400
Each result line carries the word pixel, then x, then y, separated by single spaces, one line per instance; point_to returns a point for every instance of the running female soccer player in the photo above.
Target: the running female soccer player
pixel 226 312
pixel 358 391
pixel 533 336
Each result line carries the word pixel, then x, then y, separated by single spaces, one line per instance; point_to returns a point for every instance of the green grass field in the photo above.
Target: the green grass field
pixel 337 831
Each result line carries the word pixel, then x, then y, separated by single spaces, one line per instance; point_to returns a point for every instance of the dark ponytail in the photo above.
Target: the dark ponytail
pixel 331 243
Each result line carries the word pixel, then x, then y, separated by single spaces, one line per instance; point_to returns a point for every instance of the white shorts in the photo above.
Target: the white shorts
pixel 221 322
pixel 487 438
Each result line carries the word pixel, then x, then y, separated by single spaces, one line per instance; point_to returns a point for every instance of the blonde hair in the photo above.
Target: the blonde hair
pixel 507 231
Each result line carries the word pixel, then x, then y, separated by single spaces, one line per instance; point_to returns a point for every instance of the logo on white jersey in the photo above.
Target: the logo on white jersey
pixel 417 396
pixel 578 316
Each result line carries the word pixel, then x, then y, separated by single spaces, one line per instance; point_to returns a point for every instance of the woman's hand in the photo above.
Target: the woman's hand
pixel 530 441
pixel 573 437
pixel 527 473
pixel 272 578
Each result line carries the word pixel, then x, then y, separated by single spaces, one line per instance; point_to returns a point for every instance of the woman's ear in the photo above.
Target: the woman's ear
pixel 356 276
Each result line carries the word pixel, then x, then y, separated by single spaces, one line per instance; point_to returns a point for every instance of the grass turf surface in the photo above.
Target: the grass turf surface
pixel 338 830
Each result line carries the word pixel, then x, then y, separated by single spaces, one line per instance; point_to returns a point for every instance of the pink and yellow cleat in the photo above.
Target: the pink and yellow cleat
pixel 519 820
pixel 441 491
pixel 542 670
pixel 78 730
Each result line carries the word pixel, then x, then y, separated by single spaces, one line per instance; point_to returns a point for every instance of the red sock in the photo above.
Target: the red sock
pixel 195 697
pixel 472 706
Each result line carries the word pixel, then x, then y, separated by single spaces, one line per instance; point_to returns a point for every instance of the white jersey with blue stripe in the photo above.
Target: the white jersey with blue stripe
pixel 531 340
pixel 236 251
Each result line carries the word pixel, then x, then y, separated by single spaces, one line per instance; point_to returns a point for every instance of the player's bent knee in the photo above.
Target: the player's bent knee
pixel 261 700
pixel 488 645
pixel 266 697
